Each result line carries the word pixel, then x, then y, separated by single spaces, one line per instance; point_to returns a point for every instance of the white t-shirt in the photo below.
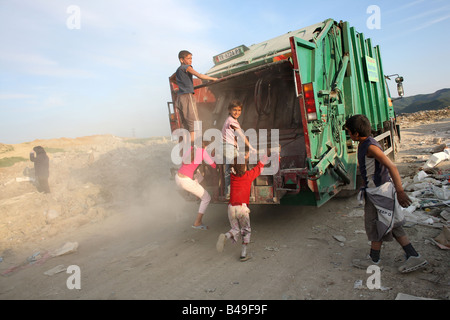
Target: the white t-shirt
pixel 228 135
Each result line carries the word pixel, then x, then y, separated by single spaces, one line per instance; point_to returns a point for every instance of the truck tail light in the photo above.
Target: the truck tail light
pixel 310 102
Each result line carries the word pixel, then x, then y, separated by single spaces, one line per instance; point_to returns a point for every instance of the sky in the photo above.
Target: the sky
pixel 78 68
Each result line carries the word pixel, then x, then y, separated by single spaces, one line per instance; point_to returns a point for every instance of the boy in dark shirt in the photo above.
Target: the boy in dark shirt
pixel 377 169
pixel 185 101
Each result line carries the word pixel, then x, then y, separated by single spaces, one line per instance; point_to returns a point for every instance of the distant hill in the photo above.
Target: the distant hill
pixel 433 101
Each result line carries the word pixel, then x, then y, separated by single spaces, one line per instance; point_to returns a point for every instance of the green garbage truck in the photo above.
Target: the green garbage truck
pixel 303 85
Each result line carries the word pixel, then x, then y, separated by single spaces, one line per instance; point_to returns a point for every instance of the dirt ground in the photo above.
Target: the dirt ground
pixel 114 199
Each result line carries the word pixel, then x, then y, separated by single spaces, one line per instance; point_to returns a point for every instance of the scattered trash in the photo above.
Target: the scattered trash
pixel 428 191
pixel 404 296
pixel 445 214
pixel 444 238
pixel 358 284
pixel 441 193
pixel 34 257
pixel 55 270
pixel 423 218
pixel 440 246
pixel 420 176
pixel 271 249
pixel 409 210
pixel 339 238
pixel 385 288
pixel 68 247
pixel 436 158
pixel 24 179
pixel 429 203
pixel 441 147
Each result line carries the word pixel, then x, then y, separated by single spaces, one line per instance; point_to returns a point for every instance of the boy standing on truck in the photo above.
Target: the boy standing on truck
pixel 377 170
pixel 238 211
pixel 185 96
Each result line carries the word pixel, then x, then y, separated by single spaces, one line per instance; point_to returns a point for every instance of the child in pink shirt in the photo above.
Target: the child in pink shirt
pixel 185 180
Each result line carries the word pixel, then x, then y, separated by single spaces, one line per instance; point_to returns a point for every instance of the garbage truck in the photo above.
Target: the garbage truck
pixel 303 85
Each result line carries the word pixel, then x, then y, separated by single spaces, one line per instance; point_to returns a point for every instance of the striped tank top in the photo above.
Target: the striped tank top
pixel 373 173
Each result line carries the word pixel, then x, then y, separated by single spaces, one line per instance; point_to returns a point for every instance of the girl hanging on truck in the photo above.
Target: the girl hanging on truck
pixel 188 180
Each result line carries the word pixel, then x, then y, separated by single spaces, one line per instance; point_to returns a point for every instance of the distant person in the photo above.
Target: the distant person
pixel 230 129
pixel 185 96
pixel 379 173
pixel 187 180
pixel 41 168
pixel 238 211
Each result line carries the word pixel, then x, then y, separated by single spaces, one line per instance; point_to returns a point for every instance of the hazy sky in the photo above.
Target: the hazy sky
pixel 77 68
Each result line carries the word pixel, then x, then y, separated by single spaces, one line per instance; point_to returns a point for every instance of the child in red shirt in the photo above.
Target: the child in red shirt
pixel 238 211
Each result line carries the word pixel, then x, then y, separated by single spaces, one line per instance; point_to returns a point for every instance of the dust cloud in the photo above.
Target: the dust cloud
pixel 91 178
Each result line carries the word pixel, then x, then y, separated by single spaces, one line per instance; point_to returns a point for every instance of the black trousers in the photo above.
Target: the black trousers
pixel 43 185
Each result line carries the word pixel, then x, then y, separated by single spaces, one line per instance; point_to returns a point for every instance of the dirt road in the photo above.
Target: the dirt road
pixel 135 241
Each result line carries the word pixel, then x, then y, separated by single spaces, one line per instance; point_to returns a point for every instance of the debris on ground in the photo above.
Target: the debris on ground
pixel 404 296
pixel 39 258
pixel 55 270
pixel 67 248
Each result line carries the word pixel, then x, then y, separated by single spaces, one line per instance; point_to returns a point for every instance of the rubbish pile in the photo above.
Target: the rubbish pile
pixel 429 191
pixel 425 116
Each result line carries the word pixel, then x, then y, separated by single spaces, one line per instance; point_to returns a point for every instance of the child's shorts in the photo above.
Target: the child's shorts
pixel 370 223
pixel 188 110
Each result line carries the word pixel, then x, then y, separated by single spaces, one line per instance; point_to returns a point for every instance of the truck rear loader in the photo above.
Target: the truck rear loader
pixel 305 84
